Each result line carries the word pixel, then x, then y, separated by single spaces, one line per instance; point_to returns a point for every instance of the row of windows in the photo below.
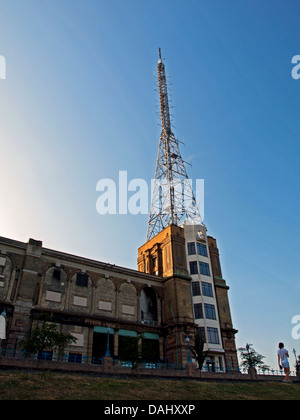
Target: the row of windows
pixel 212 335
pixel 201 249
pixel 72 357
pixel 204 268
pixel 210 311
pixel 207 289
pixel 82 279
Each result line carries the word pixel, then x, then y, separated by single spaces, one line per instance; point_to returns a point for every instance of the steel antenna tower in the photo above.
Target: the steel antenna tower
pixel 173 200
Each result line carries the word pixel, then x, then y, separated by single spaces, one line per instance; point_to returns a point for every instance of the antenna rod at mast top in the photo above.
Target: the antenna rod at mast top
pixel 159 53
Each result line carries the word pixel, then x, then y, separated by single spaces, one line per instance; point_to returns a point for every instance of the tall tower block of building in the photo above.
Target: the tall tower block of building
pixel 195 297
pixel 164 255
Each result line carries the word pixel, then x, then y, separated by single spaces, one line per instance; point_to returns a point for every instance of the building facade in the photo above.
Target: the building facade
pixel 84 297
pixel 210 301
pixel 163 301
pixel 206 298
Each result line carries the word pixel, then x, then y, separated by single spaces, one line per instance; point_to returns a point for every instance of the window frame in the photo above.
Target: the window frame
pixel 203 247
pixel 207 289
pixel 210 311
pixel 191 248
pixel 204 268
pixel 196 289
pixel 195 267
pixel 202 332
pixel 84 281
pixel 213 335
pixel 56 277
pixel 198 310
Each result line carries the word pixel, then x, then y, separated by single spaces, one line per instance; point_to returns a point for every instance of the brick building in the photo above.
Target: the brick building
pixel 85 297
pixel 191 257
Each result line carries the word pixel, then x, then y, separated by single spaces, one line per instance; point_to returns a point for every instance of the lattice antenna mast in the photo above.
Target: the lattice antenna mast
pixel 173 200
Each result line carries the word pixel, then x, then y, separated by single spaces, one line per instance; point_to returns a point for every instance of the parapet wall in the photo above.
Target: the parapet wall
pixel 108 369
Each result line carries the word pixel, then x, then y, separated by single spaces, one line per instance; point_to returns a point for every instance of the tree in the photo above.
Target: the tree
pixel 198 350
pixel 251 359
pixel 45 336
pixel 130 350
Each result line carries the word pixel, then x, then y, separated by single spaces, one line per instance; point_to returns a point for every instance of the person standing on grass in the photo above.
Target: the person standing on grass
pixel 283 361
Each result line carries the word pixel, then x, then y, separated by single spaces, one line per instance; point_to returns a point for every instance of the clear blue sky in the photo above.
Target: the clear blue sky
pixel 79 104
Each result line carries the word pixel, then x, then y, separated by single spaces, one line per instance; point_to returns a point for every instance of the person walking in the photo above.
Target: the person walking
pixel 283 361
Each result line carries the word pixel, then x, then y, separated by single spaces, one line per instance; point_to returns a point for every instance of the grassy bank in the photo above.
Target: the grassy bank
pixel 54 386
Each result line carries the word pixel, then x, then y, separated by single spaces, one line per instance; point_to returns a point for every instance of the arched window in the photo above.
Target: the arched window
pixel 148 306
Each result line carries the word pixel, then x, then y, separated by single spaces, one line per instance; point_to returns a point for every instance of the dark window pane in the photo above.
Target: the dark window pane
pixel 196 288
pixel 191 248
pixel 82 280
pixel 202 249
pixel 198 311
pixel 56 275
pixel 204 269
pixel 193 267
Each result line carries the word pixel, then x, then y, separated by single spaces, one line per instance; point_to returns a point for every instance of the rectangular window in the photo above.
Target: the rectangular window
pixel 204 269
pixel 202 249
pixel 56 275
pixel 210 311
pixel 191 248
pixel 201 331
pixel 207 289
pixel 45 355
pixel 75 358
pixel 82 280
pixel 193 267
pixel 213 335
pixel 196 288
pixel 154 262
pixel 198 311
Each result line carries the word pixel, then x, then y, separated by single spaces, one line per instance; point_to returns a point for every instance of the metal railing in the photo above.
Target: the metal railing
pixel 273 372
pixel 83 359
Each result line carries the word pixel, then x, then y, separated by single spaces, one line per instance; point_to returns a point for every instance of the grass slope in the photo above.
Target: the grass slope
pixel 54 386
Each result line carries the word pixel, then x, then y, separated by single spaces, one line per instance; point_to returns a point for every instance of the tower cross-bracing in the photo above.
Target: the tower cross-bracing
pixel 173 200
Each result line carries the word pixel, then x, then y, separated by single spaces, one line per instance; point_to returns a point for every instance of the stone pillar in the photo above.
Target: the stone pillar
pixel 116 344
pixel 161 348
pixel 107 363
pixel 90 343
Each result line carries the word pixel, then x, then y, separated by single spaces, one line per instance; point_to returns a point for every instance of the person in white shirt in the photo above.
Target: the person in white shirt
pixel 283 361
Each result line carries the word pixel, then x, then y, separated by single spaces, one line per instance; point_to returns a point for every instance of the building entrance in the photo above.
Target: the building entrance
pixel 100 344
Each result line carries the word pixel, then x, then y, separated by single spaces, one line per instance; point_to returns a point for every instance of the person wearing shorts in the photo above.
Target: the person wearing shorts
pixel 283 361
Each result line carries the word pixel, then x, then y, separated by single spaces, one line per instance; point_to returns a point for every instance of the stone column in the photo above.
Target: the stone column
pixel 116 343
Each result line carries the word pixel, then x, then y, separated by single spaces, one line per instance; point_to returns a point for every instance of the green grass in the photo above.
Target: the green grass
pixel 58 386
